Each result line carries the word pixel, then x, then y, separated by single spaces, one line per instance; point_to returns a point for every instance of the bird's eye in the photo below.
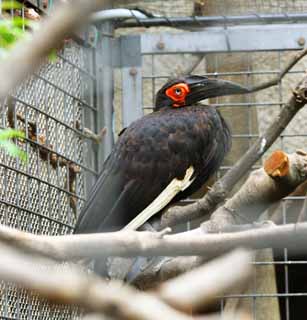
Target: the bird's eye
pixel 178 91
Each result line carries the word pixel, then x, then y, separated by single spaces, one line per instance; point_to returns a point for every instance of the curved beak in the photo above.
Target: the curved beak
pixel 210 88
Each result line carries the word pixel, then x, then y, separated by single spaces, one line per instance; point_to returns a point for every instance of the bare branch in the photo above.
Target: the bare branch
pixel 29 54
pixel 186 292
pixel 72 287
pixel 270 83
pixel 221 188
pixel 259 192
pixel 132 243
pixel 264 187
pixel 154 274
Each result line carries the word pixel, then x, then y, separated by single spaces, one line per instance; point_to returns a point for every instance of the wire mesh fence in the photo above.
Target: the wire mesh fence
pixel 44 194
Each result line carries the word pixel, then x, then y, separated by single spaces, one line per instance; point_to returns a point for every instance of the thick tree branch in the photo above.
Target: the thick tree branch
pixel 29 54
pixel 281 175
pixel 221 188
pixel 71 286
pixel 132 243
pixel 215 277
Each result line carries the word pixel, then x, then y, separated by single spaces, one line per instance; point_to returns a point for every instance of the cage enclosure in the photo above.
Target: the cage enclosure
pixel 107 77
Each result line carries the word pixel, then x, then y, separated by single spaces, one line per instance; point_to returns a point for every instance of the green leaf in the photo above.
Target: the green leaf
pixel 13 150
pixel 7 5
pixel 6 134
pixel 13 30
pixel 52 55
pixel 20 22
pixel 9 146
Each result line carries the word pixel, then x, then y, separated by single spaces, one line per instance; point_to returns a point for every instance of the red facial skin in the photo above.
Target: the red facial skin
pixel 178 93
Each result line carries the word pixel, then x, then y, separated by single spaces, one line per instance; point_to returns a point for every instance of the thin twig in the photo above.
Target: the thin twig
pixel 89 134
pixel 270 83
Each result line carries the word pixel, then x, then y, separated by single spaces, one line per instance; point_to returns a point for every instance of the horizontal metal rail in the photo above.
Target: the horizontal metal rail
pixel 49 184
pixel 205 21
pixel 40 215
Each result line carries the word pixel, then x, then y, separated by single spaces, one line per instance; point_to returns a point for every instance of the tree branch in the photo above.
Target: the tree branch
pixel 184 293
pixel 133 243
pixel 270 83
pixel 72 287
pixel 280 176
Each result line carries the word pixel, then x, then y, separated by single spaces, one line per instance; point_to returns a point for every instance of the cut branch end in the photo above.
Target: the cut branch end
pixel 277 165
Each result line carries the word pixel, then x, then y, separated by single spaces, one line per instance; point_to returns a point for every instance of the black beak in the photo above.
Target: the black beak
pixel 210 88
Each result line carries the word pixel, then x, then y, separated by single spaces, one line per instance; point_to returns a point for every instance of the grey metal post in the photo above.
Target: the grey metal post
pixel 90 115
pixel 131 64
pixel 104 89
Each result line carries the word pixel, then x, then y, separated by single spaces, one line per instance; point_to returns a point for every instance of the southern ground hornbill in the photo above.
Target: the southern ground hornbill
pixel 181 139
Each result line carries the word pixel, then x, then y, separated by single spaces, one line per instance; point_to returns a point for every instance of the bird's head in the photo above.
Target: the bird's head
pixel 189 90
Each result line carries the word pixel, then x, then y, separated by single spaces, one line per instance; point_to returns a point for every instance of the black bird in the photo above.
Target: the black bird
pixel 158 148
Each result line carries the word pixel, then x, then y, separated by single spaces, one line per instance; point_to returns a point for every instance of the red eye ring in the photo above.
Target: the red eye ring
pixel 178 93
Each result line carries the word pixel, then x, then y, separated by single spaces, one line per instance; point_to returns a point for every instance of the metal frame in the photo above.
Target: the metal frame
pixel 206 21
pixel 250 38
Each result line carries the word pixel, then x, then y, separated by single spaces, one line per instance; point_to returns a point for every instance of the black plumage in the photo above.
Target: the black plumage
pixel 157 148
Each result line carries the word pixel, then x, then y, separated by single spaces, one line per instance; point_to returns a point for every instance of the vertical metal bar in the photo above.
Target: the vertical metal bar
pixel 131 66
pixel 104 90
pixel 88 115
pixel 284 213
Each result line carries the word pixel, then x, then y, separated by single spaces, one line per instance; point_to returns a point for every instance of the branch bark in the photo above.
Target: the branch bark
pixel 132 243
pixel 184 293
pixel 280 176
pixel 71 286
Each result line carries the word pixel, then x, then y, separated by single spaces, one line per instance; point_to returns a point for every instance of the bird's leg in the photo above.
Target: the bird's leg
pixel 162 200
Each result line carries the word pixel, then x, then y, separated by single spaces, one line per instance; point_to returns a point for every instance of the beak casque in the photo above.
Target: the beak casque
pixel 202 88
